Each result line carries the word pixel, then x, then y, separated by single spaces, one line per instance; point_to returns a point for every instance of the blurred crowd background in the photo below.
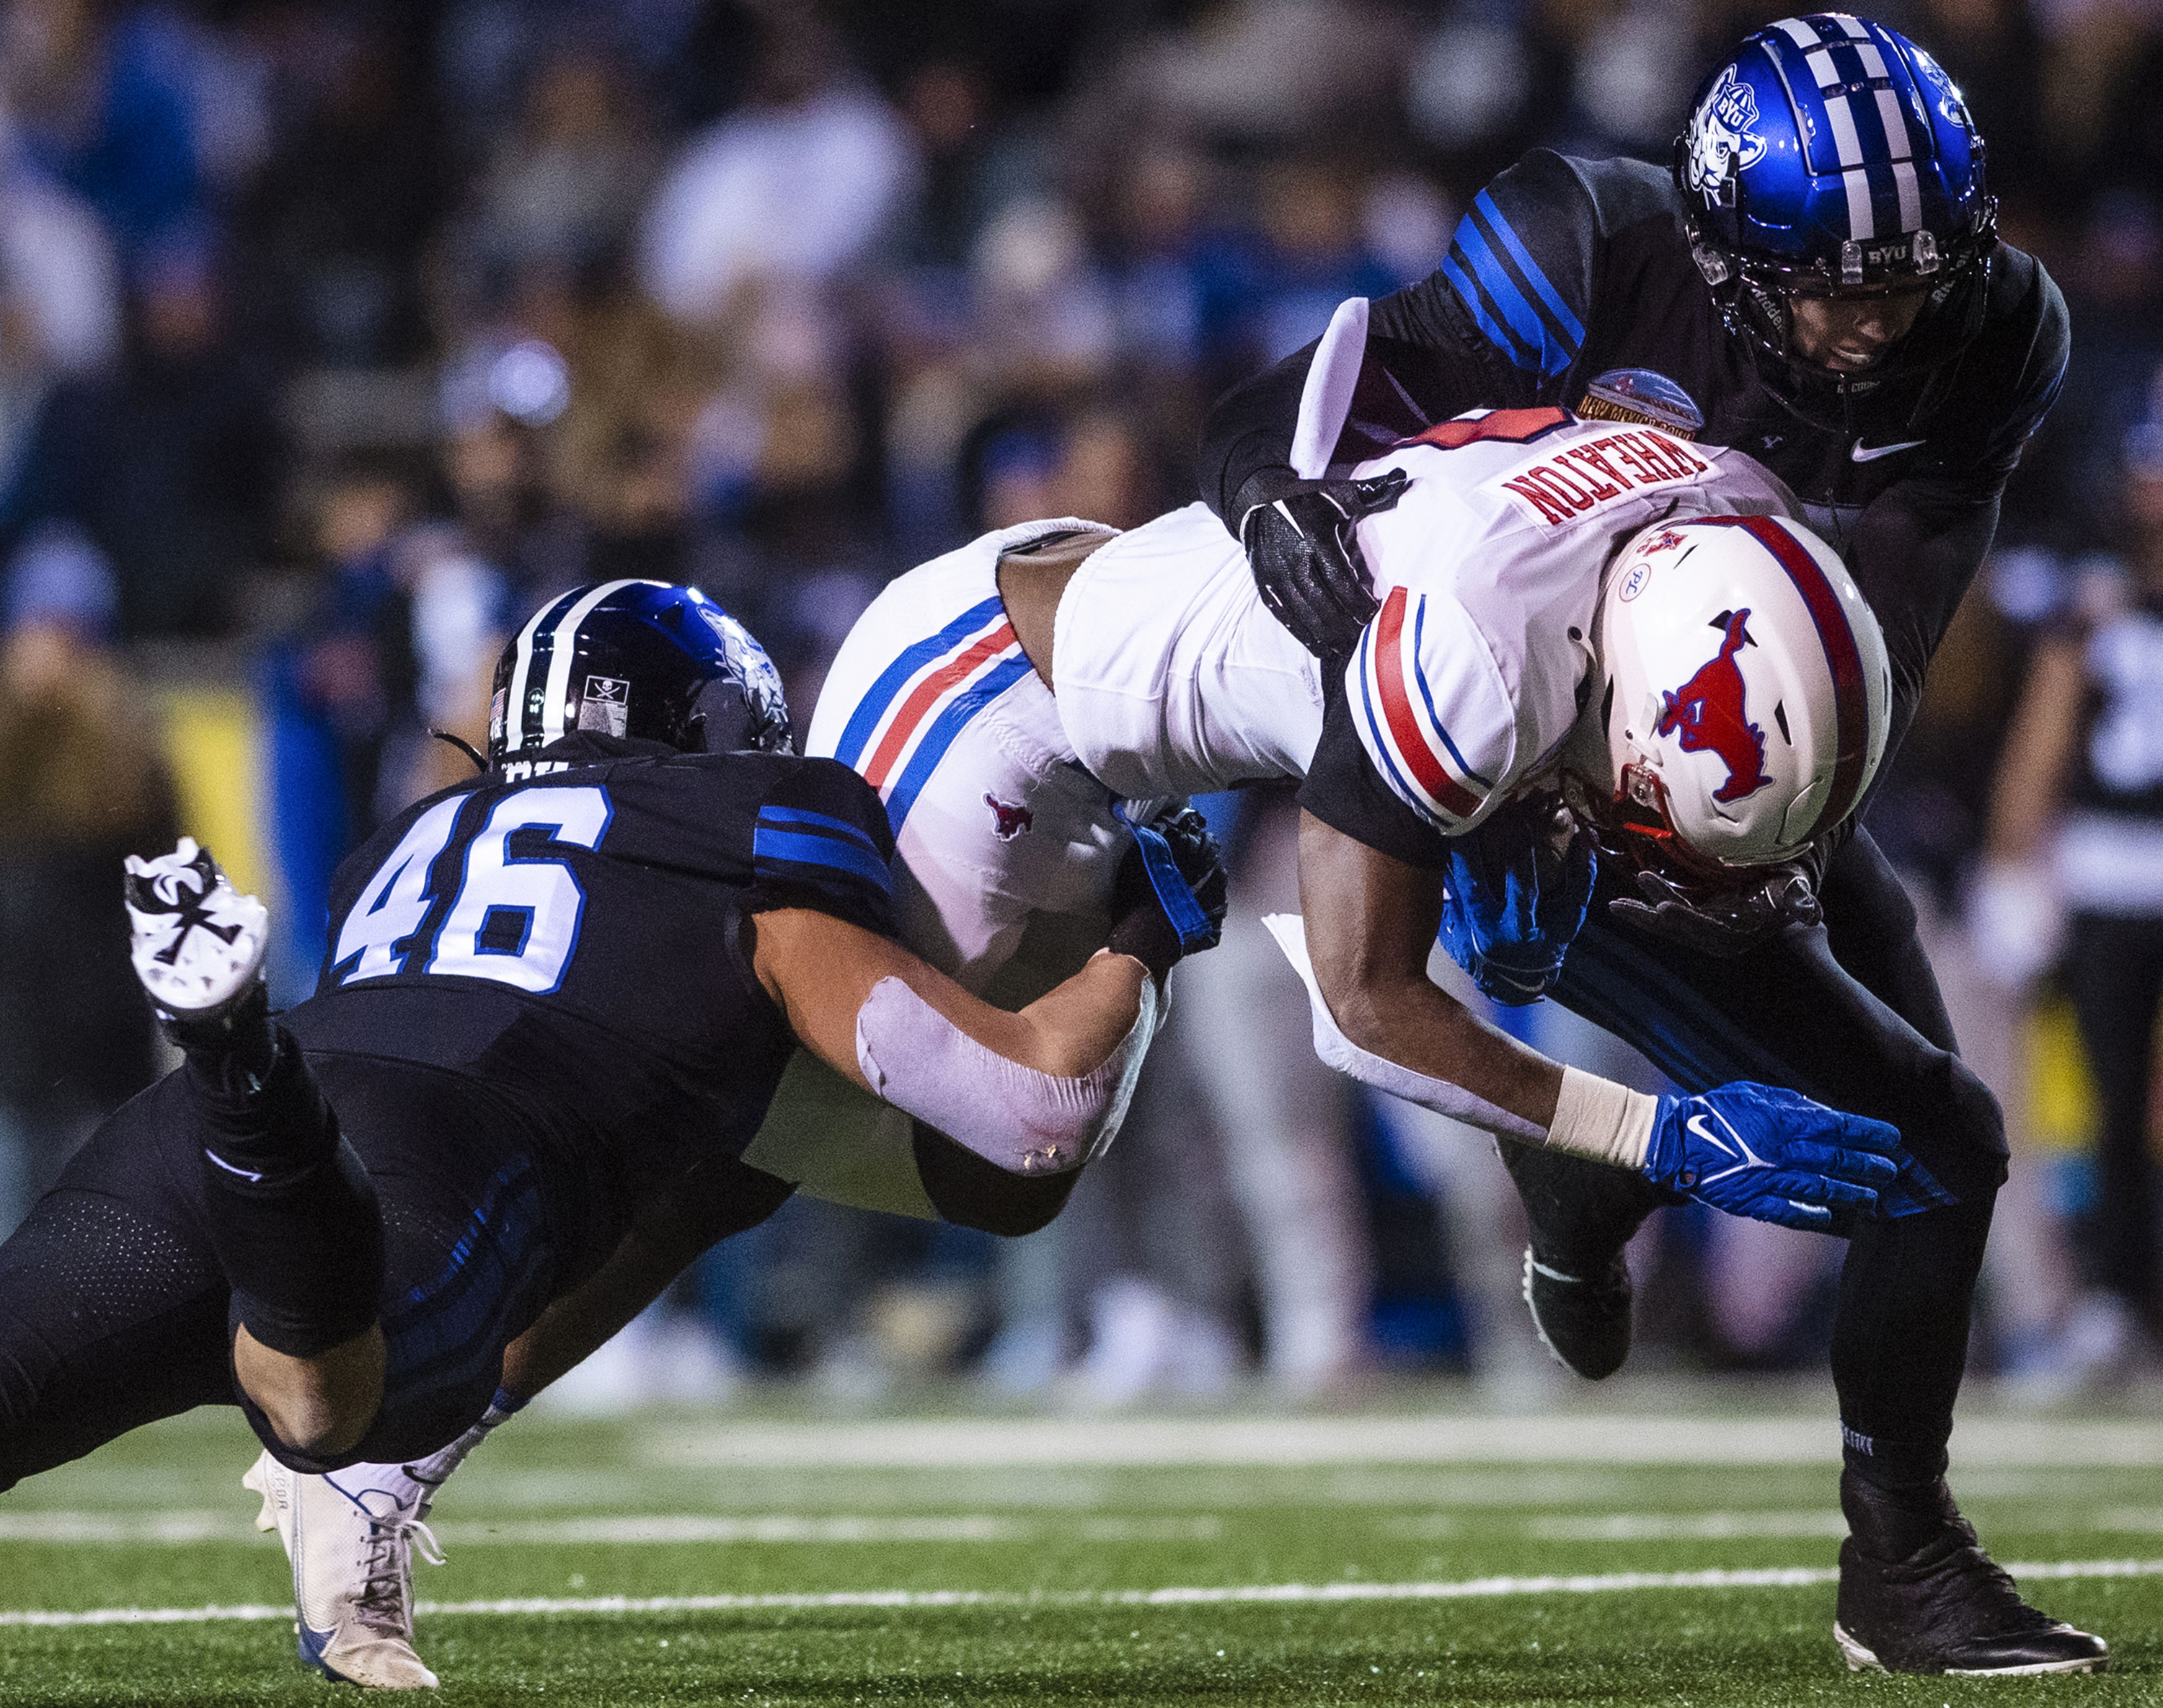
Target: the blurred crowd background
pixel 334 336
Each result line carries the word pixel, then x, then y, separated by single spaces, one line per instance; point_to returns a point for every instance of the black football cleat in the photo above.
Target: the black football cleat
pixel 1582 1213
pixel 1918 1595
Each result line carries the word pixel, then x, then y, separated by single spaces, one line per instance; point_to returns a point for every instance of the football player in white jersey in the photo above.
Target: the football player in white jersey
pixel 1548 577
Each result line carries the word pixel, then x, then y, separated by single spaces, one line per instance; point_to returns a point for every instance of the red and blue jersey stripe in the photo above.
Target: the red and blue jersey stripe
pixel 1399 725
pixel 921 702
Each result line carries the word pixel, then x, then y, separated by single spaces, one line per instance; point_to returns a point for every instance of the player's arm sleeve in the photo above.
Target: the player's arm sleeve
pixel 821 841
pixel 1418 733
pixel 1504 314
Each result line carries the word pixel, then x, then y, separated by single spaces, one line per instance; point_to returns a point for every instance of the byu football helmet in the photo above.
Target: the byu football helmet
pixel 1829 155
pixel 1744 694
pixel 644 659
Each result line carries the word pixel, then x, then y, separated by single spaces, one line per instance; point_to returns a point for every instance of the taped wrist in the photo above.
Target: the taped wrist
pixel 1024 1120
pixel 1597 1118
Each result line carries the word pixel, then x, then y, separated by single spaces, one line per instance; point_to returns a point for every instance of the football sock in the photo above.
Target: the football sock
pixel 291 1214
pixel 416 1482
pixel 236 1050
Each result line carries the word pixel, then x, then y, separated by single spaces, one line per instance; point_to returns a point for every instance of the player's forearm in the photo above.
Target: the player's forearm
pixel 1418 1025
pixel 1370 924
pixel 1249 428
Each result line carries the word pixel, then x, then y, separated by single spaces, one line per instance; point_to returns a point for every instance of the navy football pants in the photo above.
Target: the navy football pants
pixel 1848 1013
pixel 114 1310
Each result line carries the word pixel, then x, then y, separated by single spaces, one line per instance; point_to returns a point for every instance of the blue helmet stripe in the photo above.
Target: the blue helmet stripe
pixel 1573 330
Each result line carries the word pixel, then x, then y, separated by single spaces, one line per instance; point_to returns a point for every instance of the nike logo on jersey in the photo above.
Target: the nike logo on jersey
pixel 1870 454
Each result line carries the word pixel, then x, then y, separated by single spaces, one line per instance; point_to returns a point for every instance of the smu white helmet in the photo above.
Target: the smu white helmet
pixel 1746 695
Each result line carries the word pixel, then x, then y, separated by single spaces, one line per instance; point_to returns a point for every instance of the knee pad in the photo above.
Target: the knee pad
pixel 970 1192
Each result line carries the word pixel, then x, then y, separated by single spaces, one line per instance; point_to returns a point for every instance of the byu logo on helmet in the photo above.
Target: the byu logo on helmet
pixel 1721 137
pixel 1709 712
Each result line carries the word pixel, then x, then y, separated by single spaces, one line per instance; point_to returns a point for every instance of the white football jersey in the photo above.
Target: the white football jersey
pixel 1172 676
pixel 1489 570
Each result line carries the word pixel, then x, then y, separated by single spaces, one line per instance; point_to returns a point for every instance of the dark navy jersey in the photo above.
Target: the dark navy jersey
pixel 1571 281
pixel 567 930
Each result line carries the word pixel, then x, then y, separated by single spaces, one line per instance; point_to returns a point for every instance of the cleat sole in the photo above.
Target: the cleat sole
pixel 1862 1659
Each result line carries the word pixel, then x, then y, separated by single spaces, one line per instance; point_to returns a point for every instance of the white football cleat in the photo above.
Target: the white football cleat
pixel 351 1537
pixel 198 942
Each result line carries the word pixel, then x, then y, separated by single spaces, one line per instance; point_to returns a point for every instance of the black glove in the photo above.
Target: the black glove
pixel 1306 558
pixel 1723 923
pixel 1142 911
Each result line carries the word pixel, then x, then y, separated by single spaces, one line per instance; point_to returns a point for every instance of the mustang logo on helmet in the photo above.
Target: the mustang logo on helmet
pixel 1720 138
pixel 1709 711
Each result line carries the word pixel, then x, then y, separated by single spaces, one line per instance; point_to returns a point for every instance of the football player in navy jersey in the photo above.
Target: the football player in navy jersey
pixel 555 995
pixel 1817 280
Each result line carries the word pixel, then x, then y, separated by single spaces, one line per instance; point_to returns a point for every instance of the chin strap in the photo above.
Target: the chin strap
pixel 464 746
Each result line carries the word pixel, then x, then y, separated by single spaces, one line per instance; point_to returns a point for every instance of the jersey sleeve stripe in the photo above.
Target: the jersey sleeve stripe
pixel 1362 664
pixel 1426 698
pixel 1533 330
pixel 771 848
pixel 1851 695
pixel 864 721
pixel 927 693
pixel 1531 333
pixel 949 724
pixel 1571 327
pixel 824 821
pixel 1483 312
pixel 1397 728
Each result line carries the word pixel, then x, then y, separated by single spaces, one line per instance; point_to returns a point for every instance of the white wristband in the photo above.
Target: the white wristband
pixel 1599 1118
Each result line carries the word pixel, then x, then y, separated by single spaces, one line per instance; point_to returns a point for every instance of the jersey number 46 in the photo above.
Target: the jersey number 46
pixel 512 918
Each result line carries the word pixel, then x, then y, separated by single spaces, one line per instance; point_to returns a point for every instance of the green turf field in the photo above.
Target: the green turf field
pixel 1416 1552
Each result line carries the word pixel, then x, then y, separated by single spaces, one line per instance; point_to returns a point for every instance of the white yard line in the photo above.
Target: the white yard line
pixel 1685 1526
pixel 1466 1589
pixel 184 1527
pixel 1555 1439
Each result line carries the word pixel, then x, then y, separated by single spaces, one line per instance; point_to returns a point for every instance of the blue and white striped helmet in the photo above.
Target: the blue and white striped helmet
pixel 1831 154
pixel 648 660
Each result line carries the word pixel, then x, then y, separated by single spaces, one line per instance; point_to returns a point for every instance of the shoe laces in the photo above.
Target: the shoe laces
pixel 385 1600
pixel 1964 1584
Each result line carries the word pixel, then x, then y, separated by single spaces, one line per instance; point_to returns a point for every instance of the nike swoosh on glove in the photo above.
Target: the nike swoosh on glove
pixel 1300 543
pixel 1774 1155
pixel 1515 892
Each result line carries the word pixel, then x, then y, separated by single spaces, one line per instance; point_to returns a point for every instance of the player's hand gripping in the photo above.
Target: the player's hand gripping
pixel 1515 892
pixel 1169 896
pixel 1723 923
pixel 1299 540
pixel 1773 1156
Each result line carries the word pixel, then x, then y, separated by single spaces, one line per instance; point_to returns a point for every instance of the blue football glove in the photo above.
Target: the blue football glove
pixel 1517 889
pixel 1773 1156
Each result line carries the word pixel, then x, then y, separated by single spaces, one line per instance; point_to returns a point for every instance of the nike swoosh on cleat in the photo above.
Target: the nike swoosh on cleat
pixel 1870 454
